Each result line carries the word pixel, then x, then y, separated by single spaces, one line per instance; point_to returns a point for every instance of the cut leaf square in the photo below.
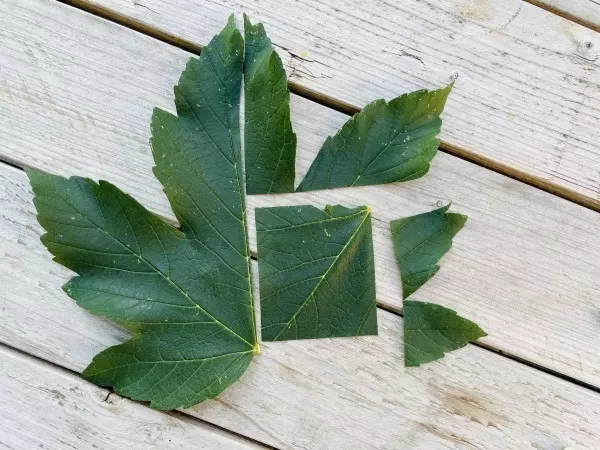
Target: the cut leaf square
pixel 316 272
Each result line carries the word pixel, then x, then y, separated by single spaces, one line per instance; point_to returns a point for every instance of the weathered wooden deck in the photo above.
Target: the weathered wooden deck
pixel 78 81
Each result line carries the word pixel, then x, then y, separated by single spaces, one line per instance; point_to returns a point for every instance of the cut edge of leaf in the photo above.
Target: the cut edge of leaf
pixel 356 212
pixel 459 221
pixel 427 157
pixel 478 332
pixel 283 179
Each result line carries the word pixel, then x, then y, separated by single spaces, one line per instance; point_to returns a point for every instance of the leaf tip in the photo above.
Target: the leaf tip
pixel 231 20
pixel 410 363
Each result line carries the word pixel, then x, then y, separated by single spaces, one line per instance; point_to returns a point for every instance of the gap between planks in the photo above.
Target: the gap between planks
pixel 348 109
pixel 523 249
pixel 177 415
pixel 490 403
pixel 397 311
pixel 547 6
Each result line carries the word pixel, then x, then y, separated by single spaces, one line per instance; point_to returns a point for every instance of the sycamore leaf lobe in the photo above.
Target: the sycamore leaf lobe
pixel 385 142
pixel 269 141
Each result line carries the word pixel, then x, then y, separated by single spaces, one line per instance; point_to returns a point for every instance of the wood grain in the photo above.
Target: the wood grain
pixel 76 96
pixel 585 12
pixel 527 98
pixel 45 407
pixel 323 393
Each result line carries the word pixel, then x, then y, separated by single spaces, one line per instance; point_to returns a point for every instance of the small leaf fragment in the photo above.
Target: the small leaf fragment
pixel 419 243
pixel 316 269
pixel 430 330
pixel 270 143
pixel 385 142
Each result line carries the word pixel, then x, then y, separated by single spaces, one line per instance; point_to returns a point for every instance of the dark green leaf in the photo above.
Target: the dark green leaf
pixel 317 276
pixel 384 143
pixel 270 143
pixel 430 330
pixel 186 295
pixel 420 241
pixel 143 274
pixel 198 161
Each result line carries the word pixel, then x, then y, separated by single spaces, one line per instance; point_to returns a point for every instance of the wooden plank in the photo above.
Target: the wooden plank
pixel 527 99
pixel 45 407
pixel 76 95
pixel 586 12
pixel 323 393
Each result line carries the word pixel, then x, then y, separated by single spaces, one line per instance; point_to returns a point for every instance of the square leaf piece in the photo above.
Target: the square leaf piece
pixel 317 274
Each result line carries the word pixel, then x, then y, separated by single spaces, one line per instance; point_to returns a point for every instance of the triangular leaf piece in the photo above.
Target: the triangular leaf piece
pixel 270 143
pixel 317 276
pixel 385 142
pixel 419 243
pixel 186 296
pixel 430 330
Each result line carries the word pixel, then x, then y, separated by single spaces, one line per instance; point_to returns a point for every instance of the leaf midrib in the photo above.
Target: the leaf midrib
pixel 420 244
pixel 240 191
pixel 404 131
pixel 333 263
pixel 438 344
pixel 191 360
pixel 315 222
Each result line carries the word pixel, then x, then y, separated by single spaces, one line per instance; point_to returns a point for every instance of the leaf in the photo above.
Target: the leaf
pixel 386 142
pixel 269 142
pixel 316 269
pixel 430 330
pixel 419 243
pixel 187 296
pixel 199 162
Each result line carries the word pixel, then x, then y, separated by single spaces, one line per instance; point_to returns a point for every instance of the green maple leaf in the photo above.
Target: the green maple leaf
pixel 385 142
pixel 317 276
pixel 269 142
pixel 430 330
pixel 419 243
pixel 187 295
